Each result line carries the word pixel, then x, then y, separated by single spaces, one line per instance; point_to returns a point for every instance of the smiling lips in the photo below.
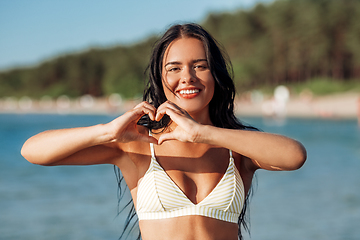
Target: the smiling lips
pixel 189 93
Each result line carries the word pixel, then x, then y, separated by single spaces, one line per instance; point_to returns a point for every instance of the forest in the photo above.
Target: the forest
pixel 289 42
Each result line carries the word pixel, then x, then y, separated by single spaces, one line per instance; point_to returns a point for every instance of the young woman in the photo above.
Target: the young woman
pixel 186 159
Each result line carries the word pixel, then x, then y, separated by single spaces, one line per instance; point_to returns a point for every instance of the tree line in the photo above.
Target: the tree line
pixel 283 42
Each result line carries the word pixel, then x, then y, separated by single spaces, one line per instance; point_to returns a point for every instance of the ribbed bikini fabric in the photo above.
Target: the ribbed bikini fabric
pixel 158 197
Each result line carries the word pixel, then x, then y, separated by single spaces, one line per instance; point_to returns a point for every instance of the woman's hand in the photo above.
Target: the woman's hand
pixel 87 145
pixel 186 129
pixel 124 128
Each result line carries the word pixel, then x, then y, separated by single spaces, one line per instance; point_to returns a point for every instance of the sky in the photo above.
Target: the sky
pixel 32 31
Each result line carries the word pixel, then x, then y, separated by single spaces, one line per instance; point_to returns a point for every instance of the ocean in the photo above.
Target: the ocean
pixel 321 201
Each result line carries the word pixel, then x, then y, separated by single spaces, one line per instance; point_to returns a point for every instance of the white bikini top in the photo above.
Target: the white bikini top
pixel 158 197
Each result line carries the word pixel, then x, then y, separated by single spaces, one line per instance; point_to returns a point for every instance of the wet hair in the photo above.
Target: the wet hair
pixel 221 107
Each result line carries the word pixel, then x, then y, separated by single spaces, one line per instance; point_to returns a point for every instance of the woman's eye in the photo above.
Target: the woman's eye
pixel 200 67
pixel 173 69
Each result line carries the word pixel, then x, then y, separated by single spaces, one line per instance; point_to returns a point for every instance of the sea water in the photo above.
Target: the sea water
pixel 321 201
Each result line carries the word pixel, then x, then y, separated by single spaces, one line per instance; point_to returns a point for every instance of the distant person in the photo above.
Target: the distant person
pixel 185 157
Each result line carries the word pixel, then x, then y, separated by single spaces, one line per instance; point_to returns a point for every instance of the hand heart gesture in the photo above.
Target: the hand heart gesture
pixel 125 128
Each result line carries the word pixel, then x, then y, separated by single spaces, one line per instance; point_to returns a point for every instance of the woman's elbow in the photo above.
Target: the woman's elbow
pixel 299 158
pixel 27 155
pixel 30 155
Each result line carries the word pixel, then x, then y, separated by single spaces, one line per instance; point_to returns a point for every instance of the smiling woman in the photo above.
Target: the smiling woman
pixel 187 78
pixel 185 157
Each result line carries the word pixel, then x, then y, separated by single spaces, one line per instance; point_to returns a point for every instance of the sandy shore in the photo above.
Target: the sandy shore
pixel 346 105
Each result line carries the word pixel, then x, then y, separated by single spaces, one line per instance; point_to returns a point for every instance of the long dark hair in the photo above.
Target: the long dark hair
pixel 221 107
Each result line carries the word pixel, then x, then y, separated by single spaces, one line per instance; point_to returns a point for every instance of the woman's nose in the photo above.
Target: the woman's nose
pixel 188 75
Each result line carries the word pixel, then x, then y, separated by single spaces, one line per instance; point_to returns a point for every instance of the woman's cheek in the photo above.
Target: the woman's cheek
pixel 170 82
pixel 171 79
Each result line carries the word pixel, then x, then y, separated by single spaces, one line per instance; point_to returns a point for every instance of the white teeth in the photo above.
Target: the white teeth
pixel 192 91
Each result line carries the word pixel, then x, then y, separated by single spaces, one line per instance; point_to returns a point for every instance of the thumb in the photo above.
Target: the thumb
pixel 165 137
pixel 149 139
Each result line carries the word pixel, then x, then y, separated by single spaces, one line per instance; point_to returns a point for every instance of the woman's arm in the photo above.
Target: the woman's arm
pixel 266 150
pixel 87 145
pixel 75 146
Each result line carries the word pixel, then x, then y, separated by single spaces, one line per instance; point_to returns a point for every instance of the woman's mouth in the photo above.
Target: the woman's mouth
pixel 189 93
pixel 192 91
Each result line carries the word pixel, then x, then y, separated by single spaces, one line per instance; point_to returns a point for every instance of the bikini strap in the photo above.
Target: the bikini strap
pixel 231 155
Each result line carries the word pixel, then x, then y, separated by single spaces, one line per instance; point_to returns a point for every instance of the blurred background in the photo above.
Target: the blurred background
pixel 76 63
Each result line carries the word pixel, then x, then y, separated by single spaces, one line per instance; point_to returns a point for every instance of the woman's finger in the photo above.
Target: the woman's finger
pixel 147 138
pixel 166 136
pixel 170 109
pixel 170 112
pixel 173 106
pixel 144 108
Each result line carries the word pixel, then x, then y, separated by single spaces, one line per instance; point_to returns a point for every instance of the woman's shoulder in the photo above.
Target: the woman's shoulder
pixel 136 156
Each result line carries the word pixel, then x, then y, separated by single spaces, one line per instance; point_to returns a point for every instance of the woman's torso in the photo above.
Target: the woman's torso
pixel 196 169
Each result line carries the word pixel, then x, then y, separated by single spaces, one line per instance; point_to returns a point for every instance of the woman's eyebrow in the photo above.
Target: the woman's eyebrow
pixel 200 60
pixel 178 63
pixel 172 63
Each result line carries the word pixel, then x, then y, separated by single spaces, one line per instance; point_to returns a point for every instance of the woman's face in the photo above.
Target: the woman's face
pixel 187 79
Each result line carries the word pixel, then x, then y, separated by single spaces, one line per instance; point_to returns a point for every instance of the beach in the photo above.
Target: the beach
pixel 340 105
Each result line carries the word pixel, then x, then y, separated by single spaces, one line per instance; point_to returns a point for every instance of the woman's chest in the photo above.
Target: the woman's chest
pixel 194 171
pixel 194 175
